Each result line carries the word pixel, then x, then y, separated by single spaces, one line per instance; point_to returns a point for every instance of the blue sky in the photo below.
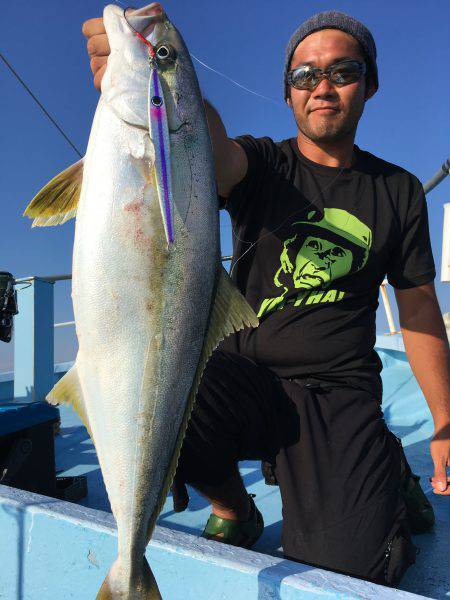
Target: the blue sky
pixel 406 122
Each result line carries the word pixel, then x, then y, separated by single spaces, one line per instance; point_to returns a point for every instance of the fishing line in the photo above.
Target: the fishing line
pixel 41 106
pixel 234 82
pixel 299 211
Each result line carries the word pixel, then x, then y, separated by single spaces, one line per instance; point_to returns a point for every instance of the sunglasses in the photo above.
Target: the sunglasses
pixel 342 73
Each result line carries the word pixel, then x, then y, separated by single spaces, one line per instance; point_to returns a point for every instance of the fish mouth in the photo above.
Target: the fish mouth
pixel 145 19
pixel 144 128
pixel 177 129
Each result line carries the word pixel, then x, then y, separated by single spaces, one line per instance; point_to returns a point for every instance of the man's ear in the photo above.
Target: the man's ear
pixel 370 91
pixel 288 101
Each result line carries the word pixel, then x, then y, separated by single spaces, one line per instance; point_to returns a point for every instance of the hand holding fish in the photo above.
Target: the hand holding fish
pixel 98 47
pixel 229 158
pixel 98 44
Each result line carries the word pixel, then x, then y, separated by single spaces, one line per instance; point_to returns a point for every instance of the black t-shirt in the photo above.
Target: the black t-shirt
pixel 325 239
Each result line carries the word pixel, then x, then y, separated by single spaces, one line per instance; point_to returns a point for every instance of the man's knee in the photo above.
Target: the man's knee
pixel 367 545
pixel 218 434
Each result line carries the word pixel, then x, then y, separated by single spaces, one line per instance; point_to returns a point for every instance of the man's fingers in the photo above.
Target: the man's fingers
pixel 438 492
pixel 440 476
pixel 98 45
pixel 99 76
pixel 97 62
pixel 441 486
pixel 93 27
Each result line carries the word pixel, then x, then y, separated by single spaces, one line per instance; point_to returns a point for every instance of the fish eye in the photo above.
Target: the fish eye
pixel 157 101
pixel 165 52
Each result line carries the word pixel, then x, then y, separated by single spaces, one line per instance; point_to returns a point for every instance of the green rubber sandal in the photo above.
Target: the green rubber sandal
pixel 236 533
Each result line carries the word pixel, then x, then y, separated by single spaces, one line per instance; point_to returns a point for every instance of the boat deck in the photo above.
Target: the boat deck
pixel 406 414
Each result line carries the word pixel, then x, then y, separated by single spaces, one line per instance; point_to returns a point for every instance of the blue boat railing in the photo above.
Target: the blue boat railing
pixel 34 364
pixel 34 326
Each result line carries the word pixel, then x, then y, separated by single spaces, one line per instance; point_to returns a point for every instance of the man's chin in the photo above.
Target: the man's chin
pixel 327 135
pixel 326 131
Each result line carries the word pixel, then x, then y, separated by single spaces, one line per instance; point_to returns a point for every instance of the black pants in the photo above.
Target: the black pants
pixel 336 462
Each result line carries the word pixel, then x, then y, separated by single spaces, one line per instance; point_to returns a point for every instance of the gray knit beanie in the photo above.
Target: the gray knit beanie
pixel 332 19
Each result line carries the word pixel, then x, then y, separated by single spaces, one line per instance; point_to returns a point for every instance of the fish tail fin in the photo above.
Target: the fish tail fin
pixel 140 587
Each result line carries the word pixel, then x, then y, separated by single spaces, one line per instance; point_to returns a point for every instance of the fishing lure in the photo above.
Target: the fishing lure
pixel 159 134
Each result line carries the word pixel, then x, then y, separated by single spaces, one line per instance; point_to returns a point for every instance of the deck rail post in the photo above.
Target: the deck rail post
pixel 33 341
pixel 445 263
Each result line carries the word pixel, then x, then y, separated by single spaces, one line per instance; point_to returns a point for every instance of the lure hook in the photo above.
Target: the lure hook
pixel 151 49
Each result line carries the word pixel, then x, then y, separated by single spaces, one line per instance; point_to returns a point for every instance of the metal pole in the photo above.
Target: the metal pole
pixel 438 177
pixel 387 308
pixel 33 342
pixel 66 324
pixel 67 276
pixel 445 262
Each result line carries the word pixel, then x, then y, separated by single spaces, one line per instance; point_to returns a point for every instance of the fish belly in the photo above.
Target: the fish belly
pixel 141 312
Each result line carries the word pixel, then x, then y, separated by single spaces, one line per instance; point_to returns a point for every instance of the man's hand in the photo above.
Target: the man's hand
pixel 427 349
pixel 97 47
pixel 440 453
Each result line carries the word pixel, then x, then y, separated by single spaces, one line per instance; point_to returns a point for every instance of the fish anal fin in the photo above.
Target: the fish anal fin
pixel 57 201
pixel 230 312
pixel 68 391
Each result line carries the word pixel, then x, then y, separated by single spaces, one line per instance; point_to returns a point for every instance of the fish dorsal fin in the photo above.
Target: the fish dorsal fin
pixel 57 201
pixel 68 391
pixel 230 312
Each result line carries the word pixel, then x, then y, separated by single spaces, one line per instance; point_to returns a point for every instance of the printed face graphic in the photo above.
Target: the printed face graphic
pixel 317 254
pixel 319 261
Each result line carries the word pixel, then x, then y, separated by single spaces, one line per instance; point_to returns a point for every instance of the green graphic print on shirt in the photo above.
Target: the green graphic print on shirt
pixel 320 250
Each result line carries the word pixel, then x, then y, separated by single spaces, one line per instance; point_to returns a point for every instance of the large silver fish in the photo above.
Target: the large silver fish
pixel 151 300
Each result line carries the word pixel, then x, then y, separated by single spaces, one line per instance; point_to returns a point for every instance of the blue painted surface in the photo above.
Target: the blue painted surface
pixel 388 341
pixel 58 550
pixel 6 387
pixel 33 341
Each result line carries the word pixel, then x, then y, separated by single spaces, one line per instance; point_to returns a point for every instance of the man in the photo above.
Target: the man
pixel 318 223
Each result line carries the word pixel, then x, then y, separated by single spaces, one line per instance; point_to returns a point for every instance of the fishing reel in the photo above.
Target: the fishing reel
pixel 8 305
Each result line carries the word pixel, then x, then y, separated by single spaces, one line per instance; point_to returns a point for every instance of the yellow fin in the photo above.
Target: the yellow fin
pixel 57 202
pixel 68 391
pixel 230 312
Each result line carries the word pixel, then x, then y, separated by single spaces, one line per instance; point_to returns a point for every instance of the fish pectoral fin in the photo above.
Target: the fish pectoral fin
pixel 57 201
pixel 68 391
pixel 230 312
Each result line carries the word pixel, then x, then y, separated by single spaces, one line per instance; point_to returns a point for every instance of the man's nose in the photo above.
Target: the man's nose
pixel 325 89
